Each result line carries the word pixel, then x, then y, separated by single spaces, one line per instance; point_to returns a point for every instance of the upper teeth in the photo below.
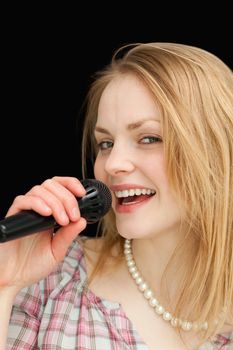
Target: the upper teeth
pixel 133 192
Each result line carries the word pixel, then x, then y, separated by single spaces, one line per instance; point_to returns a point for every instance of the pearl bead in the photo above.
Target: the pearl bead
pixel 148 293
pixel 167 316
pixel 153 302
pixel 159 309
pixel 135 275
pixel 132 269
pixel 130 263
pixel 175 322
pixel 129 257
pixel 143 286
pixel 138 280
pixel 186 326
pixel 204 326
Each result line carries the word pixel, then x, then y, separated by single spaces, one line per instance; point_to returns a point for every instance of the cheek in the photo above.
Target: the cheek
pixel 98 169
pixel 155 168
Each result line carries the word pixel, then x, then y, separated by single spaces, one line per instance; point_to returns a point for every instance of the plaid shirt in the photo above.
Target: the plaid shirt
pixel 61 313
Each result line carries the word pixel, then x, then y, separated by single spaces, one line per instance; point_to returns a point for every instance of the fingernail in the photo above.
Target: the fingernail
pixel 63 216
pixel 75 213
pixel 47 209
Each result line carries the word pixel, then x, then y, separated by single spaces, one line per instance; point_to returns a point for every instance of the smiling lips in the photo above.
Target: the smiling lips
pixel 133 196
pixel 128 200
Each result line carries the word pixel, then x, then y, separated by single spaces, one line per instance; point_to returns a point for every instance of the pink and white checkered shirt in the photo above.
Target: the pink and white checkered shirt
pixel 61 313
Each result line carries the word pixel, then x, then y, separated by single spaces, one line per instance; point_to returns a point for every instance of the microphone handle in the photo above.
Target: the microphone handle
pixel 23 224
pixel 28 222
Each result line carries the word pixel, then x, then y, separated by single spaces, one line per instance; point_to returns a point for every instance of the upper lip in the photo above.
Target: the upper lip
pixel 122 187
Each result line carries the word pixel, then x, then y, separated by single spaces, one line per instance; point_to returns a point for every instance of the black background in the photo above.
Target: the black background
pixel 48 58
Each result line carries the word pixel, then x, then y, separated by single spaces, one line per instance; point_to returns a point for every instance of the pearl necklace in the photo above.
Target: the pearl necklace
pixel 153 302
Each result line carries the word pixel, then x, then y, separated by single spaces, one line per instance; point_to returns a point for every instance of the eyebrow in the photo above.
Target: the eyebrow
pixel 131 126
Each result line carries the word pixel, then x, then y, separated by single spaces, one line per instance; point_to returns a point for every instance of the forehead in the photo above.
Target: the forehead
pixel 128 99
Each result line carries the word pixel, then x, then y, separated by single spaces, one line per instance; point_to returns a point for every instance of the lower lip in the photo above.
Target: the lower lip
pixel 130 208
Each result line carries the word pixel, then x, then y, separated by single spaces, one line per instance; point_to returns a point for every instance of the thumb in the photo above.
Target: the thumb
pixel 64 236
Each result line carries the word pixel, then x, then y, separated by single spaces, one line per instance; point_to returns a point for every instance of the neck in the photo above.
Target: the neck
pixel 164 261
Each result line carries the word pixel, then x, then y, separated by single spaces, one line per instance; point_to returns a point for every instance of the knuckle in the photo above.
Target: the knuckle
pixel 35 189
pixel 74 179
pixel 68 199
pixel 47 182
pixel 57 204
pixel 38 200
pixel 18 199
pixel 55 178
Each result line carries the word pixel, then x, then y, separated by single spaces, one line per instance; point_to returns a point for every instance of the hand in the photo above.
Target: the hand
pixel 27 260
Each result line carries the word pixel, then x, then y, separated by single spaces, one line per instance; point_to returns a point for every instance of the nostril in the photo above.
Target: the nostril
pixel 118 164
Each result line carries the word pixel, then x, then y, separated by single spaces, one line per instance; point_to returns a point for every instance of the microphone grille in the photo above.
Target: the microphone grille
pixel 98 200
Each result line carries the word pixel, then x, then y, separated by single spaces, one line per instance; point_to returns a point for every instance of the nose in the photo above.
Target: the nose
pixel 119 161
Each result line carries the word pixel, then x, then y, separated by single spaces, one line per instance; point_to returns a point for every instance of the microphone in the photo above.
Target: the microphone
pixel 93 206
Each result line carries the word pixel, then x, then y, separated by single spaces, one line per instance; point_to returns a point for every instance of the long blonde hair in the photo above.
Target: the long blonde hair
pixel 194 89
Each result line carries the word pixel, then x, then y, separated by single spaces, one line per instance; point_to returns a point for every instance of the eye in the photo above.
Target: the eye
pixel 103 145
pixel 150 139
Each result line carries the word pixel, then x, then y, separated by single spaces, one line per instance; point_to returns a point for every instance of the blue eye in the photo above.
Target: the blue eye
pixel 103 145
pixel 150 139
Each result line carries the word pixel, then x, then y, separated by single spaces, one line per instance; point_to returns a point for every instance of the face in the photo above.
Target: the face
pixel 130 160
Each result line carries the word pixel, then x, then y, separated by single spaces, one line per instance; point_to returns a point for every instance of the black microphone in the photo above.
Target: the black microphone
pixel 93 206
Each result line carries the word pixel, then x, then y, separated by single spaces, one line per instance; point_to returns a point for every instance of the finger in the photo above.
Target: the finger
pixel 65 195
pixel 72 184
pixel 29 203
pixel 52 201
pixel 64 236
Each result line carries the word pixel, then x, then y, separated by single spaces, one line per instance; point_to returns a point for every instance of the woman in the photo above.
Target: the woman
pixel 161 273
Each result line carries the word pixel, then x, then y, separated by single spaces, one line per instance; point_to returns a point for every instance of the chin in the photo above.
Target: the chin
pixel 129 232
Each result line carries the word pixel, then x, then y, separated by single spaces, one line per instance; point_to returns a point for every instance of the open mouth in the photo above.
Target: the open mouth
pixel 133 196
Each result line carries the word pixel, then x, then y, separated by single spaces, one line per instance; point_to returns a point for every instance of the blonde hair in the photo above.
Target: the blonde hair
pixel 194 89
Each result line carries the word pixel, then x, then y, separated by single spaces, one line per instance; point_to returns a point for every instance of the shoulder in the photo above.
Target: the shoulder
pixel 223 341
